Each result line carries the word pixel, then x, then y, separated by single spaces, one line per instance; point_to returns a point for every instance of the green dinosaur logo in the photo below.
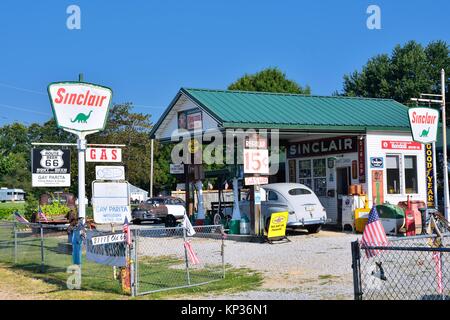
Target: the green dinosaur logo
pixel 425 133
pixel 81 117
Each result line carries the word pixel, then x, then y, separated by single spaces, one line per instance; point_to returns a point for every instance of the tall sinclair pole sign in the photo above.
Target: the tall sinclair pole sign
pixel 80 108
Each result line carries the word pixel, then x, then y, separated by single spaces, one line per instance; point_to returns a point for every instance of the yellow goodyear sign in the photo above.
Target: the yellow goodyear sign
pixel 277 226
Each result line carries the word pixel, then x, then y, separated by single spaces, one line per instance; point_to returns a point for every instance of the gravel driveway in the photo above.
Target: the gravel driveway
pixel 311 266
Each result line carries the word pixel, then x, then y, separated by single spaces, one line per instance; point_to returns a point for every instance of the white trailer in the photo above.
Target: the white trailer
pixel 11 195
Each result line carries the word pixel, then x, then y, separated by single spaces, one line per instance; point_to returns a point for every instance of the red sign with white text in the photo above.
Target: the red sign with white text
pixel 401 145
pixel 103 155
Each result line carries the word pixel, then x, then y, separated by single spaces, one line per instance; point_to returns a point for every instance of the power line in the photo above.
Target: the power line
pixel 5 85
pixel 24 109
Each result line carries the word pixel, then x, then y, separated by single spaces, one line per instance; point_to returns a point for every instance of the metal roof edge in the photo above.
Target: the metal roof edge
pixel 164 114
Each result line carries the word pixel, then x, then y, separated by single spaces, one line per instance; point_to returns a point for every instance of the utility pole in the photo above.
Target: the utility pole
pixel 151 167
pixel 81 146
pixel 444 145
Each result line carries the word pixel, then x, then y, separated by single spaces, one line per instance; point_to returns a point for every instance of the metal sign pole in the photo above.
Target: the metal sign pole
pixel 81 146
pixel 444 146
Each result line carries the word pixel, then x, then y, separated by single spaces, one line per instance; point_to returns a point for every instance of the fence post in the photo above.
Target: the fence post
pixel 42 248
pixel 133 265
pixel 356 270
pixel 222 232
pixel 186 257
pixel 15 243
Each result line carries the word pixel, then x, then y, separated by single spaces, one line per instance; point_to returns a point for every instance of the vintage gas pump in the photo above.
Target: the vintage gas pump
pixel 410 223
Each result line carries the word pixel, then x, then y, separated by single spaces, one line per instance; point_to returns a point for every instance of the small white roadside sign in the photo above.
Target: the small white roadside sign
pixel 111 202
pixel 424 124
pixel 110 172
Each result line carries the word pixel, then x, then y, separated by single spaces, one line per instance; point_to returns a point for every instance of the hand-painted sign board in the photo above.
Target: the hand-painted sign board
pixel 424 124
pixel 256 161
pixel 80 106
pixel 111 253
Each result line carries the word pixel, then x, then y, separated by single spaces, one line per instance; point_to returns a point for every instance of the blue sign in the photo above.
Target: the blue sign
pixel 376 163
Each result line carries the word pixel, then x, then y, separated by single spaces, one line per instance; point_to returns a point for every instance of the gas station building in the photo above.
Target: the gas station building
pixel 334 145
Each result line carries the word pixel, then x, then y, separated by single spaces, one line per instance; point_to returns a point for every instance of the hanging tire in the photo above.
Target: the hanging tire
pixel 314 228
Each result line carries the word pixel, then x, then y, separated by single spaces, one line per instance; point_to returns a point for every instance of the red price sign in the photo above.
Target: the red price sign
pixel 256 161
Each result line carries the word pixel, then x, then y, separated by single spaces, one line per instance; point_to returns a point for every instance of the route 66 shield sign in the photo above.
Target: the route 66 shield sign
pixel 51 159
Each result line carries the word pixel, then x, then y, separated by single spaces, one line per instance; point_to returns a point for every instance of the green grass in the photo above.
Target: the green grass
pixel 98 282
pixel 8 208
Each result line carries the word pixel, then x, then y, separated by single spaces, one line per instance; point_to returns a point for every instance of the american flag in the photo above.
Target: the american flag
pixel 41 215
pixel 438 267
pixel 126 230
pixel 190 252
pixel 20 218
pixel 374 234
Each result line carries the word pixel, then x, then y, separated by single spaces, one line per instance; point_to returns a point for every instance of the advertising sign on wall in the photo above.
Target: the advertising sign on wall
pixel 424 124
pixel 190 119
pixel 110 172
pixel 362 160
pixel 429 162
pixel 322 147
pixel 50 167
pixel 401 145
pixel 80 106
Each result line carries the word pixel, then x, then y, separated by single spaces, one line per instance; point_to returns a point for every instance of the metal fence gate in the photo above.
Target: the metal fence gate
pixel 405 269
pixel 165 258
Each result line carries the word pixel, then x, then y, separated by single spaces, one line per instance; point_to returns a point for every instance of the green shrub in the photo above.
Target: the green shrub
pixel 55 209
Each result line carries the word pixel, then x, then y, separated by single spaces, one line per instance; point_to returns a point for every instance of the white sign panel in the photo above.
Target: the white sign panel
pixel 103 155
pixel 110 172
pixel 176 168
pixel 251 181
pixel 111 238
pixel 256 161
pixel 111 202
pixel 80 106
pixel 424 124
pixel 50 180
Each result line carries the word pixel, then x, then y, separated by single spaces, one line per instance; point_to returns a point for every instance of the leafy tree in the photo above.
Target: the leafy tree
pixel 268 80
pixel 407 72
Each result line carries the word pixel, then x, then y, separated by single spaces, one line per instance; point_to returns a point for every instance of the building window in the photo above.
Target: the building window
pixel 411 174
pixel 304 172
pixel 393 174
pixel 320 177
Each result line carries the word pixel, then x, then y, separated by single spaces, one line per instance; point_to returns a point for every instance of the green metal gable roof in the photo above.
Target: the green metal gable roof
pixel 243 109
pixel 282 110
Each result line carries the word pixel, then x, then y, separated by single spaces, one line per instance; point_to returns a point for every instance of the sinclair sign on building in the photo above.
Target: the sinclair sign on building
pixel 80 106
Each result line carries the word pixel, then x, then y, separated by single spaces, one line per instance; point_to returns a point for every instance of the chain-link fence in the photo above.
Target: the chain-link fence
pixel 166 258
pixel 45 252
pixel 411 268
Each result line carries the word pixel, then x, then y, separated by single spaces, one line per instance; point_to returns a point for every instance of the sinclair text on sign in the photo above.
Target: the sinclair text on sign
pixel 103 155
pixel 80 106
pixel 424 124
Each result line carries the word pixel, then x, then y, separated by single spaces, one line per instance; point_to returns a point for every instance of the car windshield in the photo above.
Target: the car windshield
pixel 299 192
pixel 155 201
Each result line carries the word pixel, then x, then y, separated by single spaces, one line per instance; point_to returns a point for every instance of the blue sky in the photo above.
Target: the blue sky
pixel 146 50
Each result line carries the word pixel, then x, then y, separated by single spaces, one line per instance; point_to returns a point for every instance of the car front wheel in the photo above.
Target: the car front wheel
pixel 170 221
pixel 314 228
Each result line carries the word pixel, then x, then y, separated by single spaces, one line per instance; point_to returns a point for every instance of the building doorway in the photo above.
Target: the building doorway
pixel 342 184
